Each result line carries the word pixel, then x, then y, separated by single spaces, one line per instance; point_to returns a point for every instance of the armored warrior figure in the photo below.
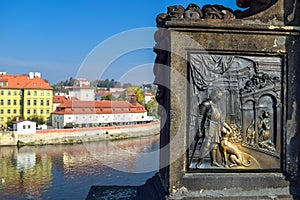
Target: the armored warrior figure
pixel 210 124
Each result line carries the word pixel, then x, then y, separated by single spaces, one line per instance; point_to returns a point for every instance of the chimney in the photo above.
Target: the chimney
pixel 37 74
pixel 132 98
pixel 31 75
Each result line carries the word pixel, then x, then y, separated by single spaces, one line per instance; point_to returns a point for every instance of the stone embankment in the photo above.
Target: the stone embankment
pixel 80 135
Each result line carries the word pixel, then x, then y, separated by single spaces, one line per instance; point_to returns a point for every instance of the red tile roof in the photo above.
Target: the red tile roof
pixel 149 95
pixel 98 107
pixel 23 82
pixel 59 99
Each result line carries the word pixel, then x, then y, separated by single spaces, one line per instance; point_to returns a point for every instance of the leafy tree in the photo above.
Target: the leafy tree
pixel 36 118
pixel 9 123
pixel 109 97
pixel 137 91
pixel 152 107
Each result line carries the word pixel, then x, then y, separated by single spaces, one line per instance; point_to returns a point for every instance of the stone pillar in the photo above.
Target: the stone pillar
pixel 229 100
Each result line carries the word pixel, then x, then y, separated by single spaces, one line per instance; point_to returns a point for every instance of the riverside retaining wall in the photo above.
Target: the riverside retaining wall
pixel 8 138
pixel 78 135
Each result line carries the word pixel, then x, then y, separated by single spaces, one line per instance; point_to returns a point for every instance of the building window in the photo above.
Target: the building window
pixel 21 93
pixel 2 92
pixel 1 119
pixel 28 112
pixel 42 102
pixel 35 93
pixel 42 112
pixel 42 93
pixel 28 92
pixel 1 111
pixel 48 103
pixel 15 93
pixel 48 112
pixel 34 102
pixel 2 102
pixel 28 102
pixel 15 111
pixel 24 127
pixel 15 102
pixel 34 111
pixel 48 94
pixel 8 102
pixel 21 102
pixel 8 92
pixel 28 126
pixel 8 111
pixel 21 112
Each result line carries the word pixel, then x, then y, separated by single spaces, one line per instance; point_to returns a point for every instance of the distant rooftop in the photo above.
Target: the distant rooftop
pixel 31 81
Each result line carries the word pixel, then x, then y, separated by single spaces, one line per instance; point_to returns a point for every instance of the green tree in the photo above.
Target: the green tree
pixel 152 107
pixel 36 118
pixel 109 97
pixel 137 91
pixel 10 122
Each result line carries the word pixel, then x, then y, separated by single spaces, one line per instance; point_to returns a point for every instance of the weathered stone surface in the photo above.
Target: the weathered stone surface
pixel 152 189
pixel 271 32
pixel 112 192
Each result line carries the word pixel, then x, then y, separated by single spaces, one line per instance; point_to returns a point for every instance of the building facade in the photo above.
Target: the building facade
pixel 148 97
pixel 82 90
pixel 98 113
pixel 24 96
pixel 24 127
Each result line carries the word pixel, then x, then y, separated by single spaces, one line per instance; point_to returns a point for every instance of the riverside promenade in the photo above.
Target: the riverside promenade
pixel 80 135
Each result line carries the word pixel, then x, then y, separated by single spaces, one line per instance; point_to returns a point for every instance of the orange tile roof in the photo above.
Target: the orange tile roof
pixel 59 99
pixel 23 82
pixel 98 107
pixel 149 95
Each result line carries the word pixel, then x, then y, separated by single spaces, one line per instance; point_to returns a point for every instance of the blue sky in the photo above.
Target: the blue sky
pixel 55 37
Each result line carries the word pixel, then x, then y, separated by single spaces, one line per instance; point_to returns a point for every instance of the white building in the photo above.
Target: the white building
pixel 148 97
pixel 98 113
pixel 24 127
pixel 84 93
pixel 82 90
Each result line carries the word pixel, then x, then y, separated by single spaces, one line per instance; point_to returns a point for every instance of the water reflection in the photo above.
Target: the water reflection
pixel 68 172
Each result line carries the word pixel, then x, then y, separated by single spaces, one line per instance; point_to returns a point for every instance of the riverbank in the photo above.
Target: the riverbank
pixel 80 135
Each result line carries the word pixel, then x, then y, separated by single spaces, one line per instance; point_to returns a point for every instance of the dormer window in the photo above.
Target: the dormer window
pixel 3 83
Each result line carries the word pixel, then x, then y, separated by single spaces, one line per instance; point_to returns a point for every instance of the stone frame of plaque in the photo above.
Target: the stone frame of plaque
pixel 228 99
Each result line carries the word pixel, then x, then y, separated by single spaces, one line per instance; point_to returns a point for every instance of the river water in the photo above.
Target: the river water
pixel 68 171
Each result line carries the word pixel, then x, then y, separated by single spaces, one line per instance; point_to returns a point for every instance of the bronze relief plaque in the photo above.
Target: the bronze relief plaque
pixel 236 112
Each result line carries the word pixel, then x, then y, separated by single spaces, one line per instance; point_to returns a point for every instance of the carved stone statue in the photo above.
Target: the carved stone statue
pixel 193 12
pixel 217 12
pixel 254 7
pixel 176 12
